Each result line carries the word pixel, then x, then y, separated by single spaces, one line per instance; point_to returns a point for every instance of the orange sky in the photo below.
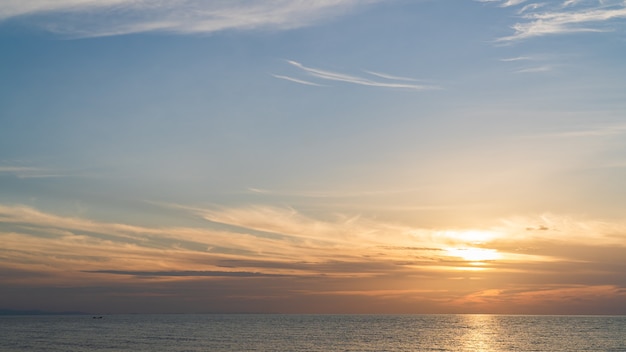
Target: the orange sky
pixel 279 260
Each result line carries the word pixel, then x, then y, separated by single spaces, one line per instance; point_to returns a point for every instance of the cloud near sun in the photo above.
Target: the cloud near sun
pixel 256 251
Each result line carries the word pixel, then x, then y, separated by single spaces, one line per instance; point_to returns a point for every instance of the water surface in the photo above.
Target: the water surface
pixel 250 332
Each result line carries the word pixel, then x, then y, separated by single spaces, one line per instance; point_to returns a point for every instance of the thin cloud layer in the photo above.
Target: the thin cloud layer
pixel 185 273
pixel 116 17
pixel 90 18
pixel 593 131
pixel 538 19
pixel 265 253
pixel 27 171
pixel 530 64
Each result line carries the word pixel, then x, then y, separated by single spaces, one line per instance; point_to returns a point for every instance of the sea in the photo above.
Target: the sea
pixel 293 333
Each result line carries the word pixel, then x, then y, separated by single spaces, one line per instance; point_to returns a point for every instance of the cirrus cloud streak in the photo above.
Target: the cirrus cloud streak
pixel 571 17
pixel 117 17
pixel 389 81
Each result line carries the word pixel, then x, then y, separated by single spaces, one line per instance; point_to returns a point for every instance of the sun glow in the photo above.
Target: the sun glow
pixel 474 254
pixel 465 244
pixel 471 236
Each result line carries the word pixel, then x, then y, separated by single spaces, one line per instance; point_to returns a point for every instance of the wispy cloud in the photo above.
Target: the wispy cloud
pixel 553 299
pixel 568 19
pixel 530 7
pixel 17 169
pixel 255 233
pixel 391 77
pixel 258 251
pixel 518 58
pixel 335 194
pixel 570 2
pixel 536 69
pixel 259 234
pixel 184 273
pixel 530 64
pixel 593 131
pixel 388 81
pixel 296 80
pixel 28 172
pixel 512 3
pixel 115 17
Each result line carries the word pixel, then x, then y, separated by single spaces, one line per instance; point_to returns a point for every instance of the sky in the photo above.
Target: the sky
pixel 333 156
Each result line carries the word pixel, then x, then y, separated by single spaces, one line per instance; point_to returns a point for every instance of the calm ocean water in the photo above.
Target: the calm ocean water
pixel 313 333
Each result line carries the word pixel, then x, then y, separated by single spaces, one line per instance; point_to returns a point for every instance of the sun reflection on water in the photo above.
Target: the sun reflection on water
pixel 481 333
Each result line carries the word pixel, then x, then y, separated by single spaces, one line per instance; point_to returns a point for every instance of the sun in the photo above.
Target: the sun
pixel 469 245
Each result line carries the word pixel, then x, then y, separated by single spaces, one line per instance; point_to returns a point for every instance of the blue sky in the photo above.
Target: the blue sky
pixel 377 141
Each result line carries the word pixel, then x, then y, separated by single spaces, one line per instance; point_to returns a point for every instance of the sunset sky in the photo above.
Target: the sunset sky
pixel 332 156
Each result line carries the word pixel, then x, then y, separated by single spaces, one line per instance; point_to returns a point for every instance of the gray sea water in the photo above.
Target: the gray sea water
pixel 250 332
